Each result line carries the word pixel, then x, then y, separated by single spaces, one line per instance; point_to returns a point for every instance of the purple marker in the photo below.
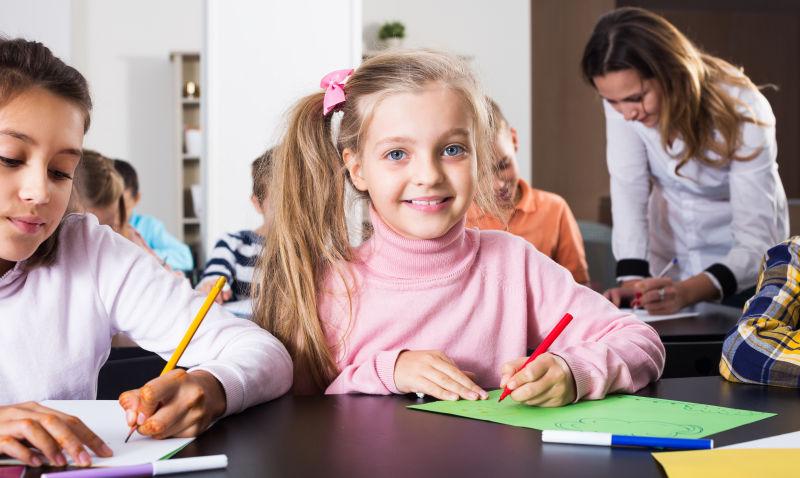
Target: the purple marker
pixel 163 467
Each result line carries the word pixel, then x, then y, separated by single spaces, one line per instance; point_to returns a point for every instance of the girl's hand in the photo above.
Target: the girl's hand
pixel 433 373
pixel 29 425
pixel 178 404
pixel 661 295
pixel 545 382
pixel 205 287
pixel 625 292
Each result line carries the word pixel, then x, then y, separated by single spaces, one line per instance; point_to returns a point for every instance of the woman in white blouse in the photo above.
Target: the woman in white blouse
pixel 691 153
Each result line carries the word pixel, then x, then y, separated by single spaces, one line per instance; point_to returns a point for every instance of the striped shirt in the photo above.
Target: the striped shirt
pixel 234 256
pixel 765 345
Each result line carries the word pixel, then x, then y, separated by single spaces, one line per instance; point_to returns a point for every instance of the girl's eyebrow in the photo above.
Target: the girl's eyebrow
pixel 408 140
pixel 27 139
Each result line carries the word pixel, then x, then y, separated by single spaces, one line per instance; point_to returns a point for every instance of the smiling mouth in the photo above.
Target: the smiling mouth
pixel 425 202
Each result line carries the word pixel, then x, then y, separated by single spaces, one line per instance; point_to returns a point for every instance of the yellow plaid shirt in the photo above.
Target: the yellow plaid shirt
pixel 765 345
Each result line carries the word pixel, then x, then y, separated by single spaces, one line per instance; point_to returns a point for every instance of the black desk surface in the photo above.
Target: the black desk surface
pixel 355 436
pixel 713 324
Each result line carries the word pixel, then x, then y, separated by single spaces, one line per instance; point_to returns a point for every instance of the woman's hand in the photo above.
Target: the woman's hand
pixel 545 382
pixel 178 404
pixel 662 295
pixel 625 292
pixel 433 373
pixel 24 426
pixel 205 287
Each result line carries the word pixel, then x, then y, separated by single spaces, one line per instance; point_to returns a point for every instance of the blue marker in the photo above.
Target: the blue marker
pixel 607 439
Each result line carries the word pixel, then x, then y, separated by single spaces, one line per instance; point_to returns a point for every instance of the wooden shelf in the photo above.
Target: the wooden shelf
pixel 191 221
pixel 191 159
pixel 190 101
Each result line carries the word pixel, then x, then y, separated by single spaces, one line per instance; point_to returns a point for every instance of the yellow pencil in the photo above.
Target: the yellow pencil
pixel 187 337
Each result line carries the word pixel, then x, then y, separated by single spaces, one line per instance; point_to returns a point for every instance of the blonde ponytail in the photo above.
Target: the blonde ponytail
pixel 307 238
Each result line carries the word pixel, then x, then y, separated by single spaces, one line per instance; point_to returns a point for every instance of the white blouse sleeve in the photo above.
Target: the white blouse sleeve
pixel 628 167
pixel 758 201
pixel 155 308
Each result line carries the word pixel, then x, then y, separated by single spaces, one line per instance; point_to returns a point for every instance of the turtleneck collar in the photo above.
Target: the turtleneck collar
pixel 393 256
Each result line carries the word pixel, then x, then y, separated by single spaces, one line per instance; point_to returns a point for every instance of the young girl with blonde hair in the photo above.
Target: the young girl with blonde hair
pixel 425 305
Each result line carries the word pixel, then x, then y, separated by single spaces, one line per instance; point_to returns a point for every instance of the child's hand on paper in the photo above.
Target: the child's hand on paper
pixel 205 287
pixel 545 382
pixel 178 404
pixel 24 426
pixel 433 373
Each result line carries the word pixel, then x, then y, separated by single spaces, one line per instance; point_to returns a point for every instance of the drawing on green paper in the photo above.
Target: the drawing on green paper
pixel 619 414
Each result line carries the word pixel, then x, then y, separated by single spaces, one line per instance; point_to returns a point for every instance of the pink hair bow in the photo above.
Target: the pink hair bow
pixel 333 83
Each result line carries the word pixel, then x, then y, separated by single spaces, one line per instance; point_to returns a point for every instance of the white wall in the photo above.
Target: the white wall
pixel 122 48
pixel 46 21
pixel 497 35
pixel 260 57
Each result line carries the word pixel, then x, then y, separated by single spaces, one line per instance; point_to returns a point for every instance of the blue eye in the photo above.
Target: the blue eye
pixel 396 155
pixel 453 150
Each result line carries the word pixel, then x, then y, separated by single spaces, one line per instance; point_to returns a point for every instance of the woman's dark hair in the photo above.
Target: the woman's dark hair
pixel 695 104
pixel 25 65
pixel 129 176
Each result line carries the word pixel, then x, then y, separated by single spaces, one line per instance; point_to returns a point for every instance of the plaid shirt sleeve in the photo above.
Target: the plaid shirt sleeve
pixel 765 345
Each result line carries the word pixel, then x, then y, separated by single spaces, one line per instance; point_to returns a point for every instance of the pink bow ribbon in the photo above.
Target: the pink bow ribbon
pixel 333 83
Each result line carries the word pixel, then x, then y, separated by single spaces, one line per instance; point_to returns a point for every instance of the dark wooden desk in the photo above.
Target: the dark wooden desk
pixel 694 344
pixel 360 436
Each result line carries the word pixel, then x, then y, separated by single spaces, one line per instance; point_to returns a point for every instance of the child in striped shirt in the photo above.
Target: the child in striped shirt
pixel 234 255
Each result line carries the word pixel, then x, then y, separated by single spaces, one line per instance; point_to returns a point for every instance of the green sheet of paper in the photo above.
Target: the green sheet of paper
pixel 619 414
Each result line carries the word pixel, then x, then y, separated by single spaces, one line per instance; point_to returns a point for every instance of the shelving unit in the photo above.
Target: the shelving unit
pixel 186 67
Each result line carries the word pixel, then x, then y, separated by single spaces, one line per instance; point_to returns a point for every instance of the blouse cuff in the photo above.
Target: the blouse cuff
pixel 633 267
pixel 725 278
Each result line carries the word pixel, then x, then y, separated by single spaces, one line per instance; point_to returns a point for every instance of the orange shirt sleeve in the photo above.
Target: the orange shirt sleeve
pixel 570 252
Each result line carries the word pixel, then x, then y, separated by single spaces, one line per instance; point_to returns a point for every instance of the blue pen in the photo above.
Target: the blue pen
pixel 608 439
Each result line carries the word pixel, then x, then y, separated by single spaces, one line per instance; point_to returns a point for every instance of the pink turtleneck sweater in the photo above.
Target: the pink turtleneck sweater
pixel 483 298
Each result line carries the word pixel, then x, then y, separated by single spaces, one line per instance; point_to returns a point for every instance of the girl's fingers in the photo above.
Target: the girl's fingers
pixel 455 374
pixel 446 382
pixel 157 391
pixel 434 390
pixel 30 430
pixel 530 373
pixel 129 401
pixel 13 448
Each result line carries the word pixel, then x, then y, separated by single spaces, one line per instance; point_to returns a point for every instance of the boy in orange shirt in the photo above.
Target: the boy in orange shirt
pixel 542 218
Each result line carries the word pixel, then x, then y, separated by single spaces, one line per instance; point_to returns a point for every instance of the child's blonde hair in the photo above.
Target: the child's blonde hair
pixel 309 235
pixel 98 184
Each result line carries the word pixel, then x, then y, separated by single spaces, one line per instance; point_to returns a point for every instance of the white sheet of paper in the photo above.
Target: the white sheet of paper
pixel 646 317
pixel 787 440
pixel 107 420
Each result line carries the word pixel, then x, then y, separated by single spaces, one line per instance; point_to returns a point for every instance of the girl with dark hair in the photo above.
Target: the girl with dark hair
pixel 692 156
pixel 68 285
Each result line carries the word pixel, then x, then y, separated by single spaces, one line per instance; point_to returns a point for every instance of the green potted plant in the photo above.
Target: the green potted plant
pixel 392 34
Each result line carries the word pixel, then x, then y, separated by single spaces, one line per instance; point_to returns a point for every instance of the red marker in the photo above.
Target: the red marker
pixel 542 348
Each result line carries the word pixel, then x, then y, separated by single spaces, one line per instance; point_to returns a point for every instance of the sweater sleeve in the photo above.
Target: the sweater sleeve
pixel 222 259
pixel 607 350
pixel 177 254
pixel 628 168
pixel 154 308
pixel 762 346
pixel 374 375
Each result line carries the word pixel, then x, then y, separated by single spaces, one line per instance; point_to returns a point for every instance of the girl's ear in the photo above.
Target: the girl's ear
pixel 353 165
